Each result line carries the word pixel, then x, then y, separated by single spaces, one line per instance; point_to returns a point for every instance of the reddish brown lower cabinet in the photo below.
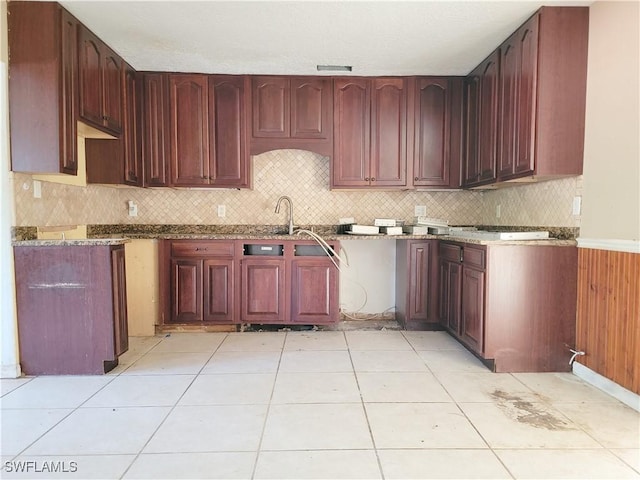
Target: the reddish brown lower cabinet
pixel 72 308
pixel 417 284
pixel 514 306
pixel 314 290
pixel 200 284
pixel 263 290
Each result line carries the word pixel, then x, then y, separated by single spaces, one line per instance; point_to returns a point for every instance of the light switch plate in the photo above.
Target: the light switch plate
pixel 577 205
pixel 222 211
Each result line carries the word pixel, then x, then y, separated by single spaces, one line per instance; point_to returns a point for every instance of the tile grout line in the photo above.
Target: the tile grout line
pixel 364 409
pixel 172 408
pixel 266 415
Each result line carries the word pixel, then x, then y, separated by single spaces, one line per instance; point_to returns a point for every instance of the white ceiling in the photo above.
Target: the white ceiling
pixel 292 37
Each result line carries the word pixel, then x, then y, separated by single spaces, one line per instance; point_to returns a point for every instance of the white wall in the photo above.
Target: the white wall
pixel 611 183
pixel 9 366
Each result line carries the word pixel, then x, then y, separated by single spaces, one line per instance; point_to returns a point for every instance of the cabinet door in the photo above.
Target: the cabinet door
pixel 219 291
pixel 189 129
pixel 69 102
pixel 450 295
pixel 270 101
pixel 310 107
pixel 508 106
pixel 263 290
pixel 121 328
pixel 352 108
pixel 90 65
pixel 431 163
pixel 131 131
pixel 527 92
pixel 314 291
pixel 488 126
pixel 230 162
pixel 419 275
pixel 388 132
pixel 155 151
pixel 472 321
pixel 471 172
pixel 112 95
pixel 186 290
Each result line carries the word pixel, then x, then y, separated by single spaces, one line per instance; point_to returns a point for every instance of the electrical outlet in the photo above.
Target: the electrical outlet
pixel 37 189
pixel 420 211
pixel 133 209
pixel 498 211
pixel 577 205
pixel 222 211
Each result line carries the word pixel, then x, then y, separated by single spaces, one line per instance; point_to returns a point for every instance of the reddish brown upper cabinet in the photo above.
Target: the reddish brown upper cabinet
pixel 417 284
pixel 291 112
pixel 438 132
pixel 370 133
pixel 132 128
pixel 155 140
pixel 43 87
pixel 543 95
pixel 189 130
pixel 482 123
pixel 100 73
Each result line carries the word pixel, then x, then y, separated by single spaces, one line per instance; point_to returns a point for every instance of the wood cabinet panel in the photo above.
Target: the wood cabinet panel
pixel 71 308
pixel 155 151
pixel 100 72
pixel 388 164
pixel 229 155
pixel 43 87
pixel 314 290
pixel 186 291
pixel 509 80
pixel 263 290
pixel 132 128
pixel 189 130
pixel 119 290
pixel 450 299
pixel 471 171
pixel 219 290
pixel 352 128
pixel 271 111
pixel 438 132
pixel 488 117
pixel 472 311
pixel 310 108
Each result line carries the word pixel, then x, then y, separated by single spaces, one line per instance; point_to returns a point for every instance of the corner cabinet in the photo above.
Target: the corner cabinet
pixel 437 153
pixel 370 133
pixel 514 306
pixel 43 87
pixel 291 112
pixel 72 308
pixel 417 284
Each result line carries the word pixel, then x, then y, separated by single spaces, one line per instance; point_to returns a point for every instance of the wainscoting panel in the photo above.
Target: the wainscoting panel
pixel 608 314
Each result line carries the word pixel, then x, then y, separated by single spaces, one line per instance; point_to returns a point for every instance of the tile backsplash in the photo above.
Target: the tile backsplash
pixel 303 176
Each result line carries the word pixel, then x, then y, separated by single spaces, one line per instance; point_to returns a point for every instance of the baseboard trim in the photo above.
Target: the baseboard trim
pixel 10 371
pixel 630 246
pixel 603 383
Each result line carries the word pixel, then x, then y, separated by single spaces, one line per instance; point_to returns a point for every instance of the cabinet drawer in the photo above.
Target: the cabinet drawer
pixel 474 257
pixel 450 252
pixel 201 249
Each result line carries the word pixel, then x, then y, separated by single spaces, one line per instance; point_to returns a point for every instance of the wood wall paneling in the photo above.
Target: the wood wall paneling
pixel 608 315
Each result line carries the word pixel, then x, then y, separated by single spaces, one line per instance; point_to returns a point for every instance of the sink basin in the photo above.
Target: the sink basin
pixel 487 235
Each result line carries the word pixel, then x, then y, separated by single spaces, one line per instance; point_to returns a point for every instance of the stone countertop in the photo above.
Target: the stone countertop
pixel 83 242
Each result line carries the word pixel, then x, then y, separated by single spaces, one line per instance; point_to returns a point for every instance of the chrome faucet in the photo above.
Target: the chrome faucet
pixel 284 197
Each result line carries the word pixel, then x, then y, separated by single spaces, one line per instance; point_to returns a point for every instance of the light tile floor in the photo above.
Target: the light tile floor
pixel 328 404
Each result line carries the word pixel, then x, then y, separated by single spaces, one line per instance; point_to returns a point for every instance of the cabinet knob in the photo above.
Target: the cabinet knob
pixel 373 179
pixel 366 179
pixel 415 179
pixel 198 249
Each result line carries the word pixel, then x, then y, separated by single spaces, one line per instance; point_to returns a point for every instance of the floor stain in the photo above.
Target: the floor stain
pixel 528 413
